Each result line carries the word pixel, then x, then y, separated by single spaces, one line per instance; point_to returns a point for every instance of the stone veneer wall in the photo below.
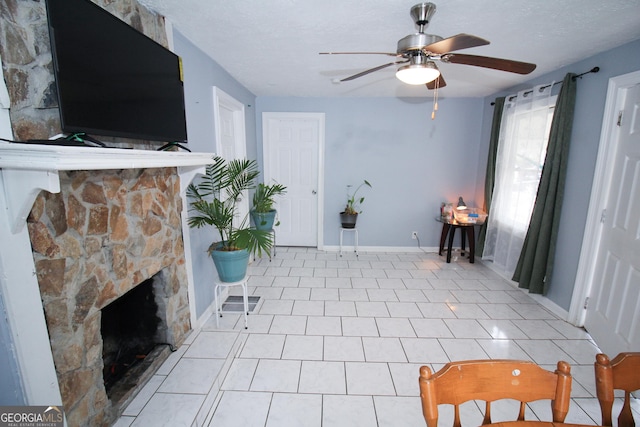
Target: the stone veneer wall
pixel 28 70
pixel 103 234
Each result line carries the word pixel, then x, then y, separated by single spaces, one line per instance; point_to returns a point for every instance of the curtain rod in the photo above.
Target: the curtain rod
pixel 593 70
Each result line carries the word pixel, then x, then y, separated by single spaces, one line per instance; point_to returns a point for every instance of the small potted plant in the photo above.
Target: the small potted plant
pixel 263 213
pixel 214 202
pixel 349 216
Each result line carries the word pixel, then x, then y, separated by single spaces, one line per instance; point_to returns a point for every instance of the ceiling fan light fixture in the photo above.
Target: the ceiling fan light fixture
pixel 418 74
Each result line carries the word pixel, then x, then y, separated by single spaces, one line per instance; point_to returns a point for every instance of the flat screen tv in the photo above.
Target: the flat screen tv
pixel 111 79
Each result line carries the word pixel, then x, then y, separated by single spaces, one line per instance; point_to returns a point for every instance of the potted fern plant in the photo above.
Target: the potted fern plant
pixel 349 216
pixel 214 202
pixel 263 213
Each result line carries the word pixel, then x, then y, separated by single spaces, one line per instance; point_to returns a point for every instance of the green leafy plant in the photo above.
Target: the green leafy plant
pixel 214 202
pixel 353 202
pixel 263 198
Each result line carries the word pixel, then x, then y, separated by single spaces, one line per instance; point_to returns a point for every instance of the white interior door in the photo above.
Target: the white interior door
pixel 613 311
pixel 293 146
pixel 230 135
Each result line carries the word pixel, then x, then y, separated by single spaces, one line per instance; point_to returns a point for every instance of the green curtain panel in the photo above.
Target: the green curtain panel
pixel 535 264
pixel 490 174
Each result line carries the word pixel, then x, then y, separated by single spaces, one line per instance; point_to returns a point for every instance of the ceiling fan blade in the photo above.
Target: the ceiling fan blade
pixel 457 42
pixel 441 83
pixel 360 53
pixel 488 62
pixel 371 70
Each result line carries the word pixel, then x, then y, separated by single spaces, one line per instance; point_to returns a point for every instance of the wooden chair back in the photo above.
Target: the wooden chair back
pixel 491 380
pixel 621 373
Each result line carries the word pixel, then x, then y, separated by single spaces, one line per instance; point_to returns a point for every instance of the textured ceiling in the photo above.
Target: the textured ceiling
pixel 272 46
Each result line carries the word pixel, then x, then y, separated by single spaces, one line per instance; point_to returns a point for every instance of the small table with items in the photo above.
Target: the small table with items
pixel 449 226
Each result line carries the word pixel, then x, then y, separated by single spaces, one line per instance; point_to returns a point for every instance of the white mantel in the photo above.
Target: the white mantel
pixel 29 168
pixel 25 170
pixel 58 157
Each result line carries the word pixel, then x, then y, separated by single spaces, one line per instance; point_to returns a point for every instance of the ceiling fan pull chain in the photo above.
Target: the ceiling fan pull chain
pixel 435 100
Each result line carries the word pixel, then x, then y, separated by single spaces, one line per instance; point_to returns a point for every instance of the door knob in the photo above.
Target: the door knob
pixel 313 192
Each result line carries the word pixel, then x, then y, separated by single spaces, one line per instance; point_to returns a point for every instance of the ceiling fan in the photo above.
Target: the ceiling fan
pixel 419 52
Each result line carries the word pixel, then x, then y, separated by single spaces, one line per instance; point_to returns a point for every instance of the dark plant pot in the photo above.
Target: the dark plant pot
pixel 348 220
pixel 264 220
pixel 231 265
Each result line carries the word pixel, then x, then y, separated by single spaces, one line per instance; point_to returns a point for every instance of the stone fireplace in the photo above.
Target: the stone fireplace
pixel 102 235
pixel 93 236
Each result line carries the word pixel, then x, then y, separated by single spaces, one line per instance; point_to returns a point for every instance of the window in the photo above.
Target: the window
pixel 522 146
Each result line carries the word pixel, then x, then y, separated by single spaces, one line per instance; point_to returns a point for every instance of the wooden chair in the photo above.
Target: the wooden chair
pixel 621 373
pixel 491 380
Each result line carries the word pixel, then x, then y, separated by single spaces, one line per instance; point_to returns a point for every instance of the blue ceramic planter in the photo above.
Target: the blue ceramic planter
pixel 231 265
pixel 264 220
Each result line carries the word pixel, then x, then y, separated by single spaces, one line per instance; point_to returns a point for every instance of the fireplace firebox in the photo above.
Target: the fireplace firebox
pixel 131 329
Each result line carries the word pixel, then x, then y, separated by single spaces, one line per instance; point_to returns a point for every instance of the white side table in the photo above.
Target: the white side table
pixel 355 236
pixel 245 298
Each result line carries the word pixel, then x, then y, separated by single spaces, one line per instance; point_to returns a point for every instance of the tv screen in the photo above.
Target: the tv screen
pixel 113 80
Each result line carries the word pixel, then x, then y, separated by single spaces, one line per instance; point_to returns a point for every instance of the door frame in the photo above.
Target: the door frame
pixel 320 118
pixel 607 148
pixel 223 99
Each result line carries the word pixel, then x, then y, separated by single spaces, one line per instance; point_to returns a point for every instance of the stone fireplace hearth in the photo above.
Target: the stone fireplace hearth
pixel 91 237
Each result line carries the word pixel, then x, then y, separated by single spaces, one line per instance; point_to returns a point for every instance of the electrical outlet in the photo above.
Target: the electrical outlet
pixel 414 235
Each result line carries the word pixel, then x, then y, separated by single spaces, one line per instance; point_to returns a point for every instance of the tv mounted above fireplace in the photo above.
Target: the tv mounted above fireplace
pixel 111 79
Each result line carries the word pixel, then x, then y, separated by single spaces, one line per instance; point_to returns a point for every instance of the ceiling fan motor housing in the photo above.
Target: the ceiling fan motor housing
pixel 416 42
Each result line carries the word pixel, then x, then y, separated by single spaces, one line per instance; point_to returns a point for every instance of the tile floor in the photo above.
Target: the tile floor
pixel 337 341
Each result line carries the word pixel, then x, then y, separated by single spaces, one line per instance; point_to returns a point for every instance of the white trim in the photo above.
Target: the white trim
pixel 29 168
pixel 540 299
pixel 378 249
pixel 548 304
pixel 25 316
pixel 186 176
pixel 58 157
pixel 599 193
pixel 221 98
pixel 321 144
pixel 206 314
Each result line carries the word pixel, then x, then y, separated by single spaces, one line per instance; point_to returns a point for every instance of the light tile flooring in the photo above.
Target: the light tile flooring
pixel 337 341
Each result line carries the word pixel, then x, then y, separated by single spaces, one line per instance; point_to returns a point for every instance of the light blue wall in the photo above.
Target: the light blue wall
pixel 201 74
pixel 590 101
pixel 413 163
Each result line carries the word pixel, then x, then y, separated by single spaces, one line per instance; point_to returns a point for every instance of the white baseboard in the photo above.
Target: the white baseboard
pixel 210 311
pixel 540 299
pixel 549 305
pixel 379 249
